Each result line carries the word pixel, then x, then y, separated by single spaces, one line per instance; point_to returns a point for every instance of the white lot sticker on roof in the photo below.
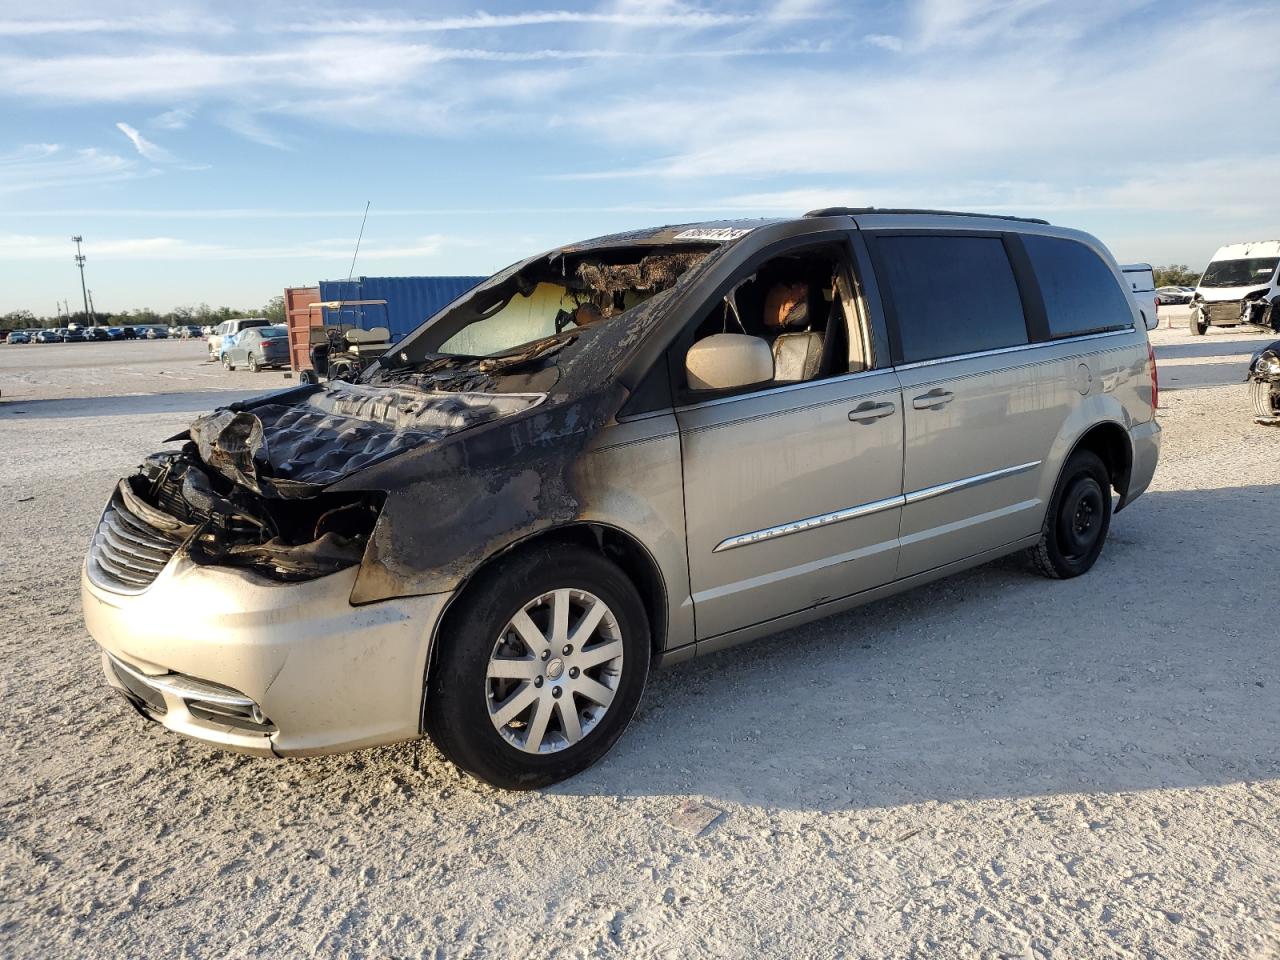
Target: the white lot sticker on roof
pixel 722 234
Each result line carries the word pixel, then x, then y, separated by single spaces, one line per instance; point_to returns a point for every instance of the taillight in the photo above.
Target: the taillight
pixel 1155 377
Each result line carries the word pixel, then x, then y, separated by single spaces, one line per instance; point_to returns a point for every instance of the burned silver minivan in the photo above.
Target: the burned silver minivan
pixel 616 454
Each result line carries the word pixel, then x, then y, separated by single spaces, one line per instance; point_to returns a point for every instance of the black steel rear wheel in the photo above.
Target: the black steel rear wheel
pixel 1076 524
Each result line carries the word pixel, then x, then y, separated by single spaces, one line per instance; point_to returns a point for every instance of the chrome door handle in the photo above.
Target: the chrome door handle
pixel 870 412
pixel 935 399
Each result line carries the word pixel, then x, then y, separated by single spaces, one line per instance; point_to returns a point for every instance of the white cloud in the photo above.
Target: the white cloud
pixel 886 41
pixel 145 147
pixel 672 17
pixel 144 249
pixel 175 119
pixel 177 22
pixel 34 166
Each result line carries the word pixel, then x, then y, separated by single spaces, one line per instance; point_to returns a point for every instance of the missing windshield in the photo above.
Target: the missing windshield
pixel 533 313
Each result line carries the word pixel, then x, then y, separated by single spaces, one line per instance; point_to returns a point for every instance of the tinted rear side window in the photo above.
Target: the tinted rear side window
pixel 1081 294
pixel 951 295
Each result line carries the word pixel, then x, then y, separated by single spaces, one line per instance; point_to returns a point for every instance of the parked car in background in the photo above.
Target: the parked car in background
pixel 1174 296
pixel 128 333
pixel 49 335
pixel 96 333
pixel 1142 284
pixel 619 453
pixel 229 328
pixel 258 347
pixel 206 330
pixel 18 336
pixel 74 336
pixel 1240 286
pixel 115 333
pixel 157 333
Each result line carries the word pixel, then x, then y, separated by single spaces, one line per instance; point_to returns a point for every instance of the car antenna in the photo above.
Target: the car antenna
pixel 359 237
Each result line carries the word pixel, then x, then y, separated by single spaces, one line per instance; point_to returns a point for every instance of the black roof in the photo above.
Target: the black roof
pixel 855 211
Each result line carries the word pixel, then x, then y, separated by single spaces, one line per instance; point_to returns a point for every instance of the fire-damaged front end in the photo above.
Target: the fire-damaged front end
pixel 1264 384
pixel 220 578
pixel 273 582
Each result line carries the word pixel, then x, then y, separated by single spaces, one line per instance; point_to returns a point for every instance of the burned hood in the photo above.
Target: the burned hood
pixel 291 444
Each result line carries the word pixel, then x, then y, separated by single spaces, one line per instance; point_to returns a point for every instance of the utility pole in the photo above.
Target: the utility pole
pixel 92 312
pixel 84 291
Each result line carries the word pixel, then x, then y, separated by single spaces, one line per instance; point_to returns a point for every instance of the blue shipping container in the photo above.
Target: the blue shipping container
pixel 410 300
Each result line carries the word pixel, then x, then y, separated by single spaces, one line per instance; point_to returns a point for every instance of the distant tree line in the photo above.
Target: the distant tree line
pixel 201 315
pixel 1176 275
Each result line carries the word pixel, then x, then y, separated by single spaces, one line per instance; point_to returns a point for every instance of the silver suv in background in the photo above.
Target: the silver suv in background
pixel 619 453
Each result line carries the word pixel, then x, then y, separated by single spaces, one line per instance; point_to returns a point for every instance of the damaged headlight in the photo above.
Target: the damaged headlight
pixel 285 539
pixel 1266 366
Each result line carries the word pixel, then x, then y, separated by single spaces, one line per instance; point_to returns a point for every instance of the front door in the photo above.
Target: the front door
pixel 793 490
pixel 792 498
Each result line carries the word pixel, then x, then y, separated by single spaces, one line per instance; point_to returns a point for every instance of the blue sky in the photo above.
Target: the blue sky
pixel 219 152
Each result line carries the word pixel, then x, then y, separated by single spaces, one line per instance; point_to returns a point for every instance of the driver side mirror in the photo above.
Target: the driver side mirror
pixel 728 361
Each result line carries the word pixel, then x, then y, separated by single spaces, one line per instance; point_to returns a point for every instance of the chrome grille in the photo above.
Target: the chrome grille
pixel 128 553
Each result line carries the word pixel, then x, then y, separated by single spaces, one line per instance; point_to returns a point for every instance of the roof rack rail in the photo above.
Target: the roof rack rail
pixel 854 211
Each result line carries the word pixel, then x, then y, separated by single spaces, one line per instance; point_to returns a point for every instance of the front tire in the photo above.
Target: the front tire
pixel 226 362
pixel 1079 516
pixel 540 668
pixel 1194 323
pixel 1266 400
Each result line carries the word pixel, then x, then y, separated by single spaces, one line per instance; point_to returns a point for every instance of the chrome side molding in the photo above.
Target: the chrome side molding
pixel 867 509
pixel 928 493
pixel 809 523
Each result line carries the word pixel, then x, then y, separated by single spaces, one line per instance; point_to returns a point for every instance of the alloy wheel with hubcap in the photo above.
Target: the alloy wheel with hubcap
pixel 539 666
pixel 554 671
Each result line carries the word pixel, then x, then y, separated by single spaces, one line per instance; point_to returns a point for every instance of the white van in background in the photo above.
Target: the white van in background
pixel 1142 281
pixel 1239 286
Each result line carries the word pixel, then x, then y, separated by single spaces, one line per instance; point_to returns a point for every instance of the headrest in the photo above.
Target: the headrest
pixel 786 306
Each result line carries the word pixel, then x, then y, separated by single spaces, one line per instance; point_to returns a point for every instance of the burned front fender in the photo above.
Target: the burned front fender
pixel 451 506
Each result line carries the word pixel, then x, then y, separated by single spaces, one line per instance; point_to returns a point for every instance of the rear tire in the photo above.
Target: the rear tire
pixel 1076 523
pixel 254 367
pixel 463 705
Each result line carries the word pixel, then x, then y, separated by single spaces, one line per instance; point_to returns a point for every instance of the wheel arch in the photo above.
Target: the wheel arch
pixel 632 557
pixel 1114 447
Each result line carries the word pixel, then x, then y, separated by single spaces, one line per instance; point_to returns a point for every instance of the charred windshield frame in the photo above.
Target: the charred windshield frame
pixel 555 297
pixel 1240 272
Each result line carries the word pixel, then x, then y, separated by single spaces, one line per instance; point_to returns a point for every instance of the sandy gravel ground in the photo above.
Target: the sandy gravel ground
pixel 993 766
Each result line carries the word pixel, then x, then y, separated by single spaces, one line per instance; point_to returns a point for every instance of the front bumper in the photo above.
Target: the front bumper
pixel 286 669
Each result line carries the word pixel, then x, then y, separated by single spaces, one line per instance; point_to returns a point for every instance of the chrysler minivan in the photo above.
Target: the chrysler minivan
pixel 616 454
